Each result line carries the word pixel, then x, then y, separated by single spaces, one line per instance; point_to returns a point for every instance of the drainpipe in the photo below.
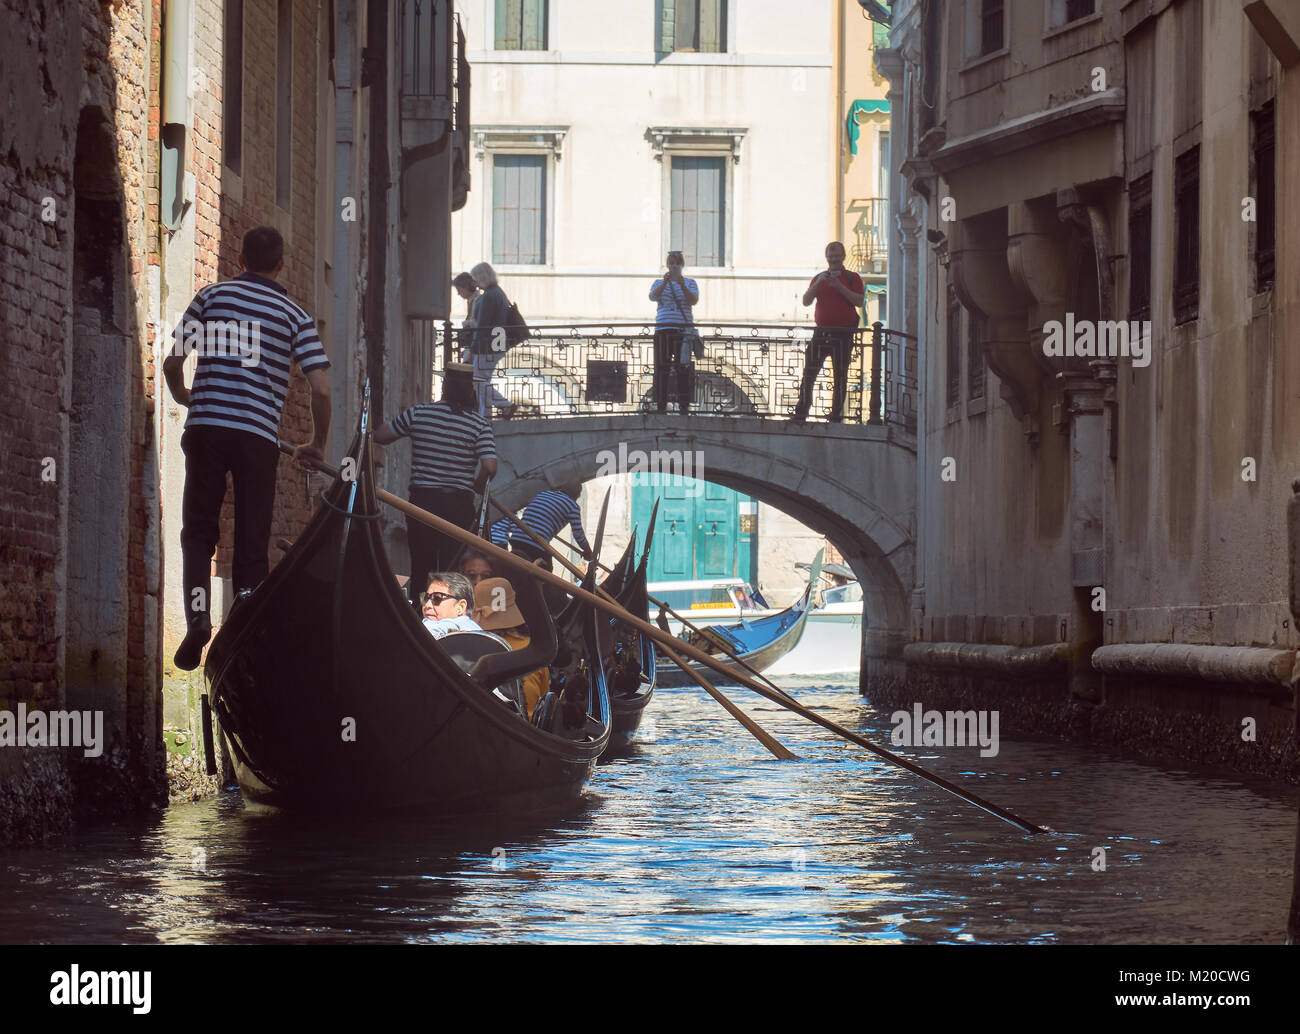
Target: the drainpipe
pixel 175 102
pixel 375 76
pixel 348 126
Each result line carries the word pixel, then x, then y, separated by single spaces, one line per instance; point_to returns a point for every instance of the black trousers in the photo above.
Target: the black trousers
pixel 837 343
pixel 432 550
pixel 668 348
pixel 211 452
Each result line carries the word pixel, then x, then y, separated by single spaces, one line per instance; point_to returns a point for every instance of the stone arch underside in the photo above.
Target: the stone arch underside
pixel 854 485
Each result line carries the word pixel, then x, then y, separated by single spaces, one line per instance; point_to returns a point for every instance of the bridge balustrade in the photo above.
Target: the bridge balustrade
pixel 750 370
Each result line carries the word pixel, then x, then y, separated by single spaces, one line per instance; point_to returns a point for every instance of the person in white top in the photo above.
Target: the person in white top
pixel 675 295
pixel 445 604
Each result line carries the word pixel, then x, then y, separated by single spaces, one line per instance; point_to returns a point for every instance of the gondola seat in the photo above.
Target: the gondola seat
pixel 468 648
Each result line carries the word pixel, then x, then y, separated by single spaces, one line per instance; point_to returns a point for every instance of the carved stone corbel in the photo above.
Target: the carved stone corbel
pixel 1037 250
pixel 978 267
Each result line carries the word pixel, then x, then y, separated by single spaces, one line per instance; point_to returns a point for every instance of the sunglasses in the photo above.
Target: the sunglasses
pixel 436 597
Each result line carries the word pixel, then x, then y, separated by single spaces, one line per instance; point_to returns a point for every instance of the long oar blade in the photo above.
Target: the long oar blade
pixel 516 563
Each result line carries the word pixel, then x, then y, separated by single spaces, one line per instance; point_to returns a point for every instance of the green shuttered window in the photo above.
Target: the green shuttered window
pixel 521 25
pixel 519 209
pixel 698 227
pixel 693 26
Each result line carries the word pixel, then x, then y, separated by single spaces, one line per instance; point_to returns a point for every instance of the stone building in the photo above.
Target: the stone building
pixel 607 131
pixel 150 140
pixel 1096 243
pixel 79 530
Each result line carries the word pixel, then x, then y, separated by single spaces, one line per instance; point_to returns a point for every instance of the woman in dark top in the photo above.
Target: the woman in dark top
pixel 491 311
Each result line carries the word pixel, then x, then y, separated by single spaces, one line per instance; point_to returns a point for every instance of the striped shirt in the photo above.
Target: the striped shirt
pixel 499 534
pixel 446 444
pixel 246 332
pixel 547 514
pixel 669 315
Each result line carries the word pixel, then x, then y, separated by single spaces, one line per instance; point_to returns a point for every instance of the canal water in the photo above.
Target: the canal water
pixel 699 836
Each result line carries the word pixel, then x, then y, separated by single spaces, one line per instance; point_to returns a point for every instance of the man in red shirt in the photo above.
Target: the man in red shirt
pixel 838 292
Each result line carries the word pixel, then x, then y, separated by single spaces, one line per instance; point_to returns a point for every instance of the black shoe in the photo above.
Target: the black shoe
pixel 798 418
pixel 190 652
pixel 835 419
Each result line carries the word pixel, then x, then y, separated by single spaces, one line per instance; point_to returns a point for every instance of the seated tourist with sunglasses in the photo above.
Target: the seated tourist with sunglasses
pixel 445 604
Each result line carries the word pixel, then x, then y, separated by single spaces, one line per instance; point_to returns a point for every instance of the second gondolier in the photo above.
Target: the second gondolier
pixel 453 455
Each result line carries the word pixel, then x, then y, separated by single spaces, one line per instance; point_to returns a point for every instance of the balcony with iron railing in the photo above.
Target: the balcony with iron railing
pixel 869 244
pixel 748 370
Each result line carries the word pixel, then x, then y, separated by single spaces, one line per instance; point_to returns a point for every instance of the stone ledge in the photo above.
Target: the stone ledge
pixel 1246 664
pixel 1005 660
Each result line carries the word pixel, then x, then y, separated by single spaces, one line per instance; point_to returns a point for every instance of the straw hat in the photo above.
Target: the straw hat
pixel 494 604
pixel 460 370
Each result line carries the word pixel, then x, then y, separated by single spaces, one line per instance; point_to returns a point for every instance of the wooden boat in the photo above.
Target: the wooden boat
pixel 332 695
pixel 760 642
pixel 629 653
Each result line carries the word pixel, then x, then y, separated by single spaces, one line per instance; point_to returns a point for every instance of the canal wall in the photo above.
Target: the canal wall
pixel 1127 504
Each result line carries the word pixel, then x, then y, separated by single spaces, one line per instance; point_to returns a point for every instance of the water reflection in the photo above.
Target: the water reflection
pixel 701 836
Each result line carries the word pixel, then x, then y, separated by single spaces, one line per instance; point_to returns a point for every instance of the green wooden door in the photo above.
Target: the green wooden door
pixel 698 533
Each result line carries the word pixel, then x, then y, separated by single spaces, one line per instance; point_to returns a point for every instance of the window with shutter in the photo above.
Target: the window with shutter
pixel 283 102
pixel 1187 235
pixel 519 209
pixel 1139 248
pixel 521 25
pixel 953 349
pixel 991 34
pixel 974 360
pixel 698 210
pixel 1264 193
pixel 232 87
pixel 693 26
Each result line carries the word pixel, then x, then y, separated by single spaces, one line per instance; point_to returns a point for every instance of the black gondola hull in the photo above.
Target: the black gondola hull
pixel 333 696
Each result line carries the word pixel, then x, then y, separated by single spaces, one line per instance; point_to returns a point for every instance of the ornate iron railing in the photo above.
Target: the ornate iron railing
pixel 746 370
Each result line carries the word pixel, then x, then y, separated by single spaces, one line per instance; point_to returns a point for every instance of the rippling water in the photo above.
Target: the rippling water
pixel 700 836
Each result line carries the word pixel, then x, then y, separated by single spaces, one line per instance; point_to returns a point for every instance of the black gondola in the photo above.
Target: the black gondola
pixel 629 653
pixel 332 695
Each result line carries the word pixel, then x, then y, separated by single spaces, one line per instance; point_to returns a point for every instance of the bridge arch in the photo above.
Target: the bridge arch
pixel 853 483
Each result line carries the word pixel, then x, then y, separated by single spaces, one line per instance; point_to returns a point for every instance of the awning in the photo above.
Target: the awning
pixel 851 122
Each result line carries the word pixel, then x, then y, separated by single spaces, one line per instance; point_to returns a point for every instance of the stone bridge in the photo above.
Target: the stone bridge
pixel 855 483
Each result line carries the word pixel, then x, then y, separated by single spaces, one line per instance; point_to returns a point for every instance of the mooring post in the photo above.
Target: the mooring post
pixel 1293 581
pixel 877 339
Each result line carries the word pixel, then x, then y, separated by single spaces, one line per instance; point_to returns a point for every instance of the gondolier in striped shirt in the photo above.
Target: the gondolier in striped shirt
pixel 247 332
pixel 547 514
pixel 453 455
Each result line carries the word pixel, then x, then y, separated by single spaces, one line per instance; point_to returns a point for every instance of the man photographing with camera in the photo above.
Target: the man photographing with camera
pixel 675 294
pixel 838 293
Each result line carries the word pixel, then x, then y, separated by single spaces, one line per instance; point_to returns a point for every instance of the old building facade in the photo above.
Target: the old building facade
pixel 1095 242
pixel 153 138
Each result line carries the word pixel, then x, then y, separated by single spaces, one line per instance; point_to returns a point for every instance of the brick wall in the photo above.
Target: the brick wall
pixel 56 59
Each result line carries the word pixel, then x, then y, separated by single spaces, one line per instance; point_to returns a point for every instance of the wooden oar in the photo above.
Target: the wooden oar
pixel 778 749
pixel 731 654
pixel 664 639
